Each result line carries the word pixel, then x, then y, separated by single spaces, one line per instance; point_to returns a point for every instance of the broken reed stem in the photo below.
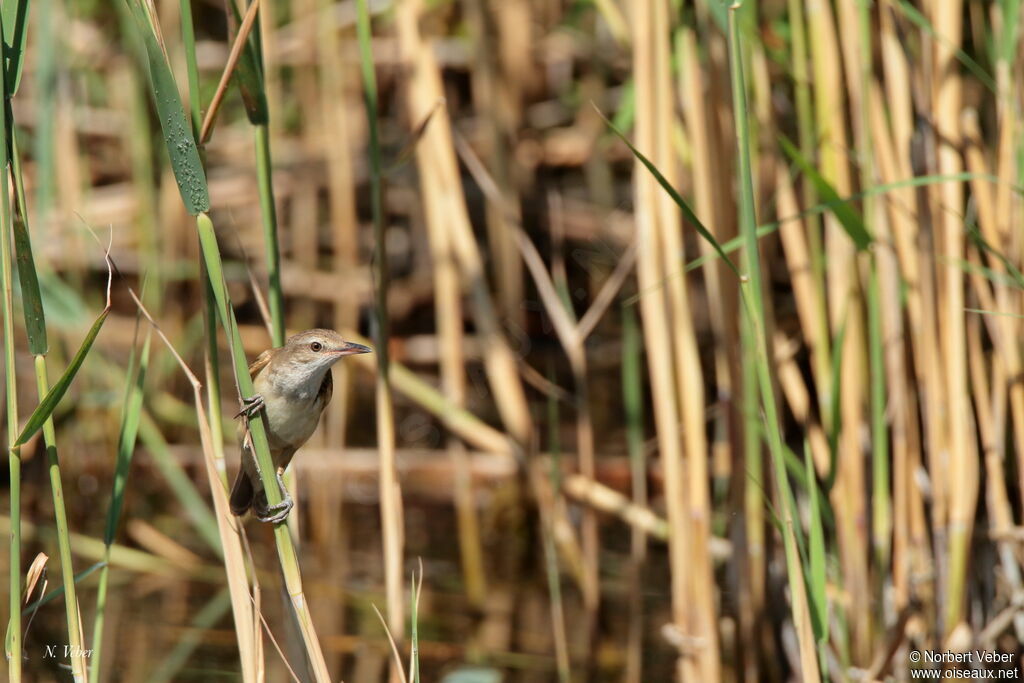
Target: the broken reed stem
pixel 248 21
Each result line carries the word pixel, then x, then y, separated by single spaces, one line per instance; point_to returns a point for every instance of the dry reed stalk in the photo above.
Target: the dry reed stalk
pixel 912 248
pixel 809 301
pixel 449 325
pixel 791 381
pixel 248 21
pixel 457 262
pixel 991 222
pixel 721 284
pixel 821 354
pixel 910 544
pixel 497 132
pixel 303 229
pixel 71 192
pixel 572 343
pixel 674 367
pixel 336 131
pixel 439 178
pixel 846 314
pixel 901 408
pixel 549 509
pixel 246 625
pixel 962 467
pixel 987 401
pixel 391 505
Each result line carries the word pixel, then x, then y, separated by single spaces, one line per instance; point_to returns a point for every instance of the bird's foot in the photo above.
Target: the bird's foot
pixel 251 407
pixel 279 511
pixel 274 514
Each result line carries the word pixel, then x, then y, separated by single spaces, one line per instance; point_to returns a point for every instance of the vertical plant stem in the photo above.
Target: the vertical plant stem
pixel 67 570
pixel 188 38
pixel 130 410
pixel 752 292
pixel 632 398
pixel 963 466
pixel 547 522
pixel 13 643
pixel 285 547
pixel 35 325
pixel 390 492
pixel 268 210
pixel 845 309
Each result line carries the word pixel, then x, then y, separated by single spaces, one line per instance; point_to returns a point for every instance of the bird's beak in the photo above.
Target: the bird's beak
pixel 352 349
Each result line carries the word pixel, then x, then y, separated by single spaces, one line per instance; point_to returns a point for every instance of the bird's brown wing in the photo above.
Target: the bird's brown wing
pixel 326 390
pixel 260 363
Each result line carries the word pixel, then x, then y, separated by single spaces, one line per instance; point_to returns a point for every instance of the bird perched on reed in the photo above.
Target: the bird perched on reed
pixel 293 386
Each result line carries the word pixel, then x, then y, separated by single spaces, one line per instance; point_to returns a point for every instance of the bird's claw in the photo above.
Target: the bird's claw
pixel 251 407
pixel 277 512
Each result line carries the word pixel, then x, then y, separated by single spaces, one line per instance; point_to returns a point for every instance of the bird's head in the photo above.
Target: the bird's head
pixel 307 356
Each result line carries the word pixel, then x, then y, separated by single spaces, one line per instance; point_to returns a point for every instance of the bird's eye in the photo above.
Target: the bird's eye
pixel 316 346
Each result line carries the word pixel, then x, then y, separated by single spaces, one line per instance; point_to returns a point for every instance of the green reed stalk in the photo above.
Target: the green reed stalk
pixel 752 292
pixel 881 498
pixel 13 642
pixel 131 410
pixel 268 209
pixel 633 406
pixel 188 39
pixel 35 326
pixel 806 133
pixel 257 428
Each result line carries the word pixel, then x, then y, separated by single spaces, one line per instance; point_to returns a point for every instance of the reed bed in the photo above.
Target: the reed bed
pixel 696 332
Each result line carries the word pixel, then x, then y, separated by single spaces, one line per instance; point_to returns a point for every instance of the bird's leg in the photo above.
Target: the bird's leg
pixel 251 407
pixel 279 511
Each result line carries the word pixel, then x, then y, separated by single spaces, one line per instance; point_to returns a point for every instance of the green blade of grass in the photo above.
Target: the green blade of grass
pixel 752 293
pixel 181 146
pixel 676 197
pixel 130 413
pixel 816 554
pixel 31 299
pixel 15 19
pixel 833 407
pixel 57 391
pixel 849 218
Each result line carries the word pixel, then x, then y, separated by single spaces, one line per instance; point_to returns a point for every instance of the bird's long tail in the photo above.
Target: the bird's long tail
pixel 242 494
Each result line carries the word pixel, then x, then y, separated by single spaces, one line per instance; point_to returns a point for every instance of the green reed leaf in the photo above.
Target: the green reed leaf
pixel 181 146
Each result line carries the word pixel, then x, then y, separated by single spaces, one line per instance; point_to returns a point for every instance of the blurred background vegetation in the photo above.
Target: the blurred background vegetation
pixel 622 448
